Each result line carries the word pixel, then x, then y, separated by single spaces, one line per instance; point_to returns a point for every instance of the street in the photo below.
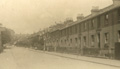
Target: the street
pixel 24 58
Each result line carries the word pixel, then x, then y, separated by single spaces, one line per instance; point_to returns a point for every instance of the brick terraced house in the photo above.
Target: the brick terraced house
pixel 97 34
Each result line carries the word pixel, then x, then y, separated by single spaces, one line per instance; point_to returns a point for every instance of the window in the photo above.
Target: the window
pixel 79 28
pixel 92 40
pixel 61 41
pixel 76 29
pixel 98 38
pixel 84 40
pixel 106 38
pixel 71 40
pixel 92 23
pixel 70 29
pixel 85 26
pixel 57 41
pixel 106 18
pixel 106 45
pixel 67 32
pixel 64 32
pixel 65 41
pixel 98 22
pixel 76 40
pixel 119 14
pixel 80 39
pixel 119 36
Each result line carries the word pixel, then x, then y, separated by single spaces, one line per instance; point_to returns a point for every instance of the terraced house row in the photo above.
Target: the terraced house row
pixel 97 34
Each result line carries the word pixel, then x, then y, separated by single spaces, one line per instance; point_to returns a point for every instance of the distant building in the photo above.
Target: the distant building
pixel 1 44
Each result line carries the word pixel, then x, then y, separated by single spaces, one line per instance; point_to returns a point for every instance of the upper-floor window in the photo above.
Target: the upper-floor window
pixel 85 26
pixel 92 23
pixel 119 36
pixel 106 18
pixel 76 29
pixel 76 40
pixel 119 11
pixel 80 40
pixel 67 31
pixel 61 41
pixel 65 42
pixel 70 29
pixel 70 40
pixel 79 27
pixel 119 14
pixel 98 21
pixel 62 33
pixel 57 41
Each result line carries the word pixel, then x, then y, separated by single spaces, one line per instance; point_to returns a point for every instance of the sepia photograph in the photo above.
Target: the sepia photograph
pixel 59 34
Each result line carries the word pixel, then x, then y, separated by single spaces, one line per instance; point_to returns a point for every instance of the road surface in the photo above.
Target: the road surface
pixel 23 58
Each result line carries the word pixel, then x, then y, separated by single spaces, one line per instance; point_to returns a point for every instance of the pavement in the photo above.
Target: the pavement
pixel 102 61
pixel 25 58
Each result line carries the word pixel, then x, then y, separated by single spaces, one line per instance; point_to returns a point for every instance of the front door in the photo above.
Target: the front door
pixel 117 50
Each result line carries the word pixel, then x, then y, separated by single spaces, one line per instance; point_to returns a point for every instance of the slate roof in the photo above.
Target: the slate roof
pixel 101 11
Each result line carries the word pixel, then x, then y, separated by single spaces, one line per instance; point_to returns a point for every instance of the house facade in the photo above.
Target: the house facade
pixel 94 35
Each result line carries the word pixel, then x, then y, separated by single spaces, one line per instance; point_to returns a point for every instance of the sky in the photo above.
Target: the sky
pixel 28 16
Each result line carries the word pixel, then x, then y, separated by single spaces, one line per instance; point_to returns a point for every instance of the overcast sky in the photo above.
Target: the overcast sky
pixel 28 16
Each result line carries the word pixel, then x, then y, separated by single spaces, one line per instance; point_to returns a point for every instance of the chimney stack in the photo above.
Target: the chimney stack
pixel 116 2
pixel 80 16
pixel 95 9
pixel 68 20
